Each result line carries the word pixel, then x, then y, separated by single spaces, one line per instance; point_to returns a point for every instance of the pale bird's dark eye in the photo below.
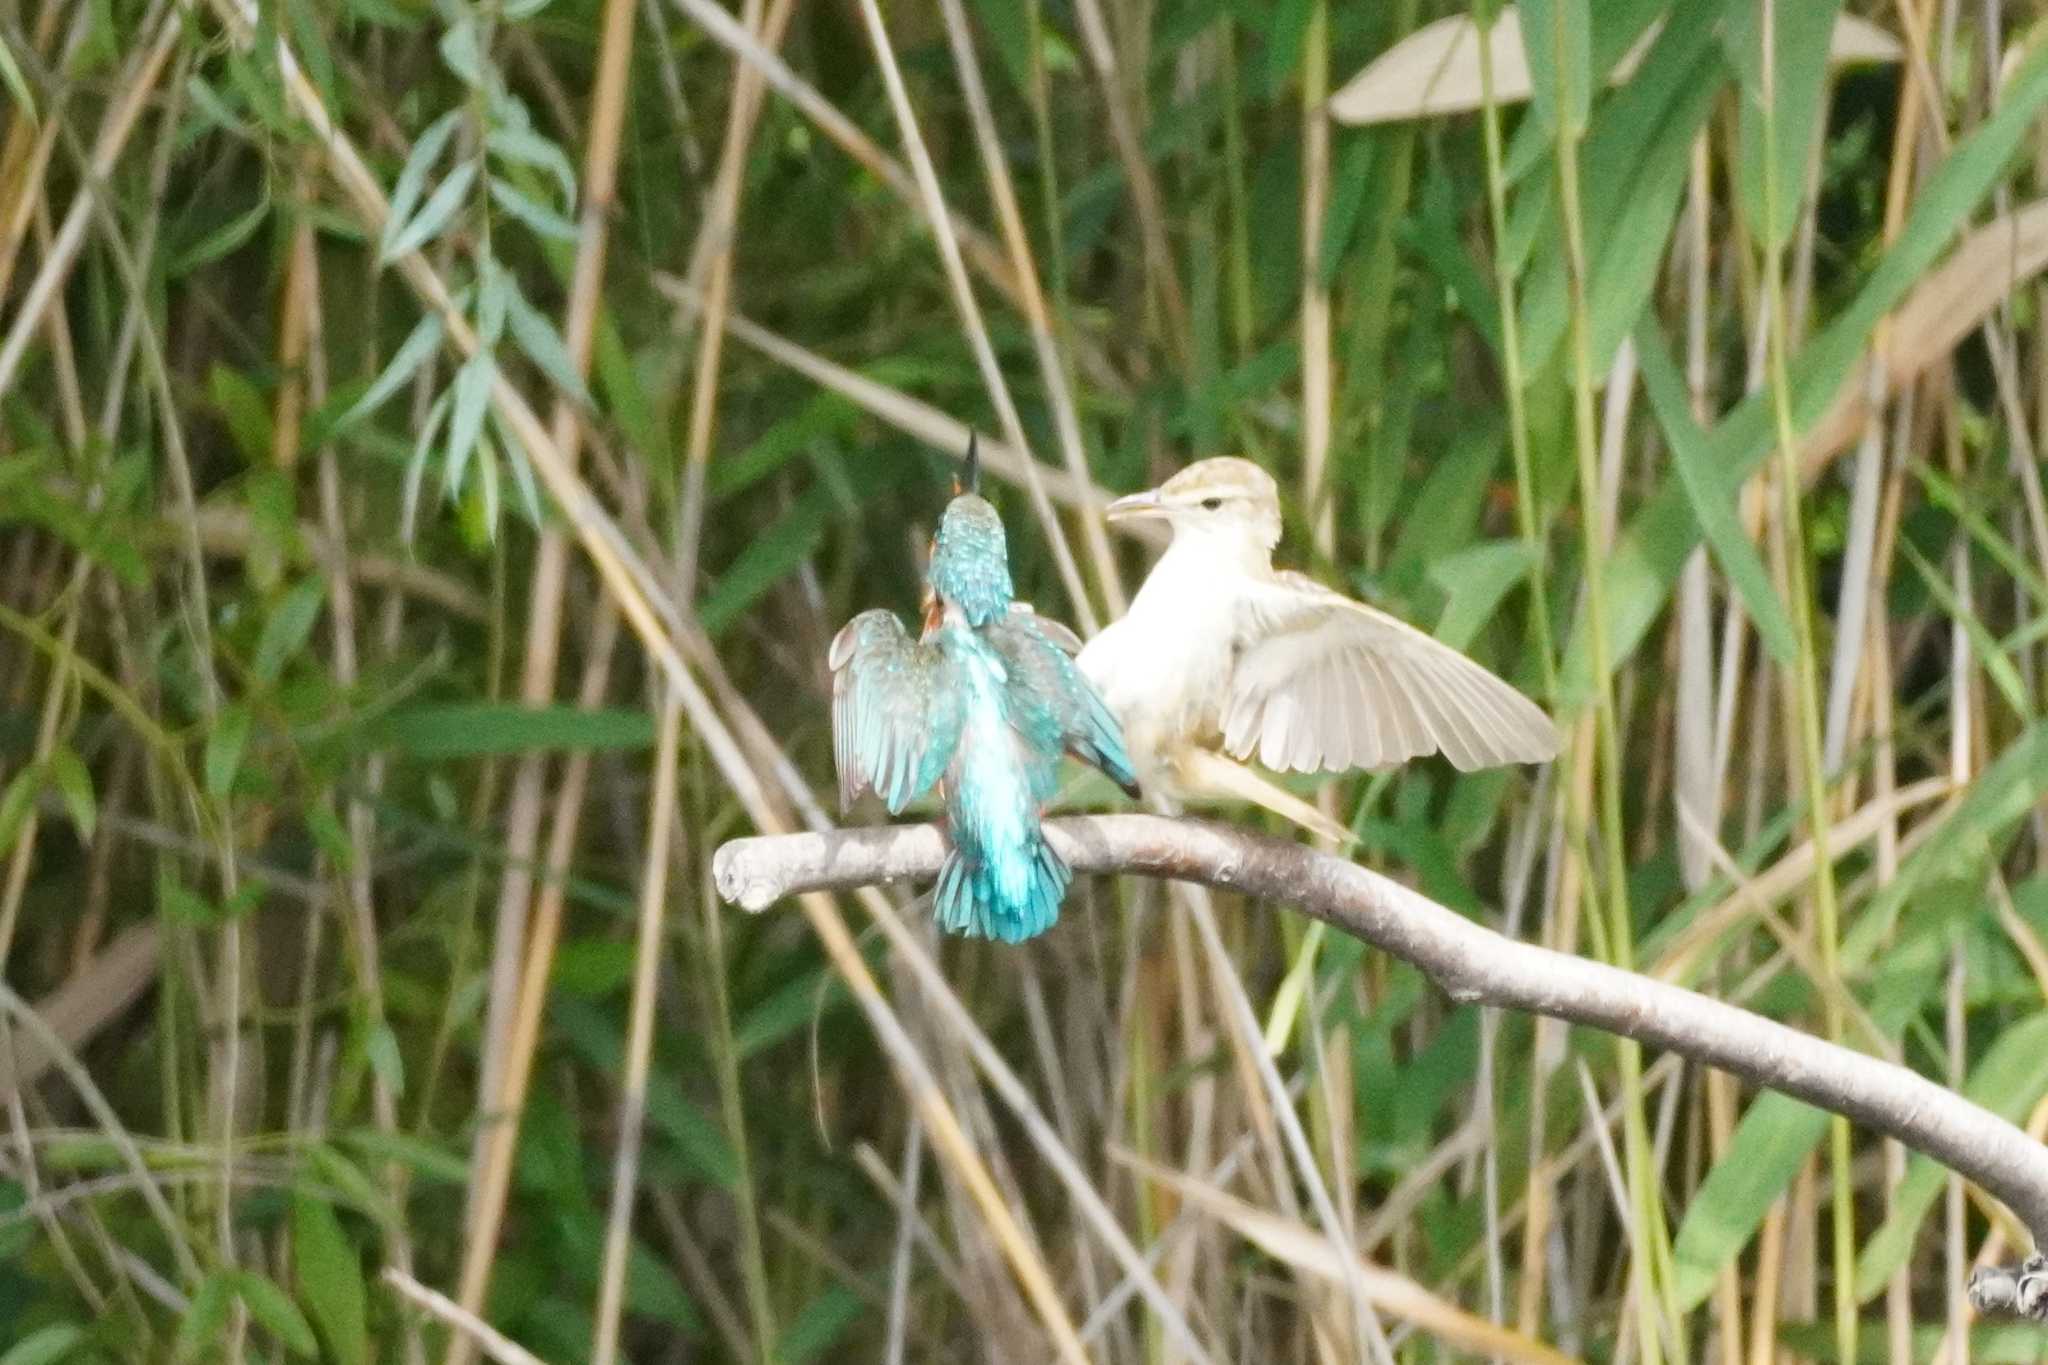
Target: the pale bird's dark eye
pixel 1212 504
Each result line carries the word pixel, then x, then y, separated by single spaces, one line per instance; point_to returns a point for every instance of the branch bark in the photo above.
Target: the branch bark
pixel 1473 964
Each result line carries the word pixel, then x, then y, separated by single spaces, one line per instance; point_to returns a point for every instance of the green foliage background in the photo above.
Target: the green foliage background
pixel 395 397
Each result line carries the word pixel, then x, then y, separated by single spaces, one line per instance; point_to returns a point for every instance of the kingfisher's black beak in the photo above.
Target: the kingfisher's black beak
pixel 968 480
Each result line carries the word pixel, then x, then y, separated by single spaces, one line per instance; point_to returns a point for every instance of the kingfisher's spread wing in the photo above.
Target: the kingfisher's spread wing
pixel 896 714
pixel 1323 683
pixel 1024 614
pixel 1053 702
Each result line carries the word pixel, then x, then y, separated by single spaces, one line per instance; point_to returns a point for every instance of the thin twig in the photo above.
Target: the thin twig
pixel 467 1326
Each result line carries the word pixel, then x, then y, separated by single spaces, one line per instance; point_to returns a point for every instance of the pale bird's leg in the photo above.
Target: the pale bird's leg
pixel 1201 772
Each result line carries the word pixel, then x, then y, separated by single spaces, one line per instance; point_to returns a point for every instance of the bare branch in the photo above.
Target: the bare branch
pixel 2013 1291
pixel 1472 963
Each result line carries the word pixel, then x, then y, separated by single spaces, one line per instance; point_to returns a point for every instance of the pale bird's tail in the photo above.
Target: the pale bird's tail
pixel 1203 772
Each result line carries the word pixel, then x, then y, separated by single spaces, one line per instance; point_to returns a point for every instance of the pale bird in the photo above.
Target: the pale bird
pixel 1223 659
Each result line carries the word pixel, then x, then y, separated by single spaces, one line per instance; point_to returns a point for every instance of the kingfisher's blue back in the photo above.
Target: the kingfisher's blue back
pixel 984 704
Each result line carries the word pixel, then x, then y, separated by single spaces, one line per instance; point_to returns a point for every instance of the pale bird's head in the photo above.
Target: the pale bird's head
pixel 1227 499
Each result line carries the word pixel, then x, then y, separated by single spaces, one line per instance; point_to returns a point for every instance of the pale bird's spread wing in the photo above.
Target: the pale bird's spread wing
pixel 1053 702
pixel 1323 683
pixel 896 716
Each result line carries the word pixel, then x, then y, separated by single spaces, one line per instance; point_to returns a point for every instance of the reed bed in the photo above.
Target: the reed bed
pixel 438 441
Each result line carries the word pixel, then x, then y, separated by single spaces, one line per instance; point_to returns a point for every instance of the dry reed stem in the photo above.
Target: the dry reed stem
pixel 1949 304
pixel 661 823
pixel 1316 1255
pixel 712 256
pixel 910 415
pixel 136 85
pixel 1162 277
pixel 110 1125
pixel 721 28
pixel 547 587
pixel 25 158
pixel 959 1023
pixel 637 595
pixel 92 997
pixel 1051 366
pixel 491 1177
pixel 712 262
pixel 932 198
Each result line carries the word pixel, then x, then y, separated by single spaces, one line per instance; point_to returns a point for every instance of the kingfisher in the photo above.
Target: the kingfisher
pixel 1222 659
pixel 982 705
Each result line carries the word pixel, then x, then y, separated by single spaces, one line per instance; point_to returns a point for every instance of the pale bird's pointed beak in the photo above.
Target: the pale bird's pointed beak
pixel 1134 506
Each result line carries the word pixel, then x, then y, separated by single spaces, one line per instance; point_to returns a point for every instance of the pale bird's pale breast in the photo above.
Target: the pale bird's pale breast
pixel 1164 669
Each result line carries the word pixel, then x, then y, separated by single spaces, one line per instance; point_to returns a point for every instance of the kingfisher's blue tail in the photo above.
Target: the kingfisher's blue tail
pixel 971 898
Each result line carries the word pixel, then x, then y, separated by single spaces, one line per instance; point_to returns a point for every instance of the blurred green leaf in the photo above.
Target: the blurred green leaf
pixel 785 1010
pixel 434 215
pixel 287 628
pixel 179 901
pixel 473 730
pixel 530 211
pixel 1652 549
pixel 418 347
pixel 472 391
pixel 330 1280
pixel 462 51
pixel 1477 578
pixel 380 1045
pixel 543 345
pixel 524 147
pixel 769 558
pixel 818 1326
pixel 1008 25
pixel 1447 502
pixel 421 1157
pixel 2003 794
pixel 1767 1149
pixel 271 1307
pixel 221 241
pixel 96 533
pixel 225 744
pixel 16 83
pixel 1990 655
pixel 2010 1079
pixel 244 409
pixel 1712 500
pixel 494 292
pixel 67 770
pixel 2010 558
pixel 423 445
pixel 16 803
pixel 594 967
pixel 46 1345
pixel 206 1318
pixel 412 177
pixel 1802 34
pixel 697 1138
pixel 331 1168
pixel 1557 38
pixel 1633 171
